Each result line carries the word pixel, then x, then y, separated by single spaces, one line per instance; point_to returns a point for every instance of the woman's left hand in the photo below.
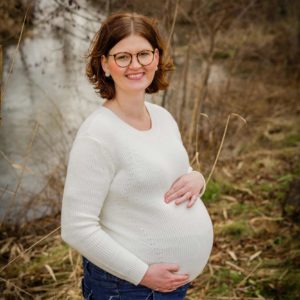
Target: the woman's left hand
pixel 186 188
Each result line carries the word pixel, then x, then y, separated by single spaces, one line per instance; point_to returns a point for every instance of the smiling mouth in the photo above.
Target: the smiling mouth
pixel 136 76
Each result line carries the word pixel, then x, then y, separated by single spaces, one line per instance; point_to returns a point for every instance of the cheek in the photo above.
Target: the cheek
pixel 151 69
pixel 115 70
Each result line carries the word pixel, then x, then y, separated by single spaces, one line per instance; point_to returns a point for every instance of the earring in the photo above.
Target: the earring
pixel 107 74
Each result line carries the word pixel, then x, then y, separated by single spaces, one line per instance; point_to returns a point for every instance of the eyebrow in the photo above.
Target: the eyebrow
pixel 133 52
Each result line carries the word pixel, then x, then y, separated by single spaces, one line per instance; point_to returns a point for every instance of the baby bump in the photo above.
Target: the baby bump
pixel 185 238
pixel 169 234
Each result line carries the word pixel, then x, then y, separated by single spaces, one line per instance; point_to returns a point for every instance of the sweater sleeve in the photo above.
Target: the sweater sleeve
pixel 90 172
pixel 190 169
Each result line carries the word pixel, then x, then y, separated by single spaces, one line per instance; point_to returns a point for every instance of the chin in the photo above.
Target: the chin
pixel 137 87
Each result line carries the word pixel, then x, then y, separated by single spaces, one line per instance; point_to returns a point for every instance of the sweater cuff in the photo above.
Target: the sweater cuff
pixel 190 169
pixel 204 185
pixel 139 273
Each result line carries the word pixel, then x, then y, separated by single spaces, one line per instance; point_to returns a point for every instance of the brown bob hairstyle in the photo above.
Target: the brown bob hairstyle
pixel 115 28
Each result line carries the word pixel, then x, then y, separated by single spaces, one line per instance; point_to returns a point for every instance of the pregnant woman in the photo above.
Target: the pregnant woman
pixel 131 204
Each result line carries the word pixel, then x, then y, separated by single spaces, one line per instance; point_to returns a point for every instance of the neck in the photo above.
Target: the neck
pixel 131 105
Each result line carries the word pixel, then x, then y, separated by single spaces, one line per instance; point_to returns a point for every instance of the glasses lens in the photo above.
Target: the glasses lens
pixel 123 59
pixel 145 57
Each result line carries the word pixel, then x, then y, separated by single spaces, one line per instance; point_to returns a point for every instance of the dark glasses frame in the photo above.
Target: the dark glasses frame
pixel 131 55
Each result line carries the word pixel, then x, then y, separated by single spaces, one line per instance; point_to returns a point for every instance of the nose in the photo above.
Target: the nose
pixel 135 63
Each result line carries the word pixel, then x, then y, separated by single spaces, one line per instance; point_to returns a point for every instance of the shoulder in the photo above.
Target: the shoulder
pixel 165 118
pixel 97 125
pixel 160 111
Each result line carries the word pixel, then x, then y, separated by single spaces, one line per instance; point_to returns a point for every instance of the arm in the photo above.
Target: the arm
pixel 90 171
pixel 188 187
pixel 203 181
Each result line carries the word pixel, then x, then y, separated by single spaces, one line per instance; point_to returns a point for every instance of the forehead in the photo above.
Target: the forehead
pixel 131 43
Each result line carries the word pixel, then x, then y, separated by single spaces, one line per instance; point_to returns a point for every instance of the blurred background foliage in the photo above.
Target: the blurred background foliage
pixel 233 58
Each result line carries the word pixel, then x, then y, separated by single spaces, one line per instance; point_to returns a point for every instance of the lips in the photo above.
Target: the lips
pixel 135 76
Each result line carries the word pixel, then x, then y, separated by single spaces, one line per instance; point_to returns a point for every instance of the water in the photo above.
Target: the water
pixel 48 87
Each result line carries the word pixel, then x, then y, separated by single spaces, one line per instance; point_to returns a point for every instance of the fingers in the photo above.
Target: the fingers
pixel 177 188
pixel 183 198
pixel 192 201
pixel 176 282
pixel 176 278
pixel 163 277
pixel 172 267
pixel 172 287
pixel 172 195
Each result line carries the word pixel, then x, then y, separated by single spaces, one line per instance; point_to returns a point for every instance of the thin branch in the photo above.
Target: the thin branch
pixel 28 249
pixel 68 9
pixel 4 89
pixel 222 142
pixel 173 26
pixel 26 156
pixel 16 287
pixel 164 97
pixel 1 74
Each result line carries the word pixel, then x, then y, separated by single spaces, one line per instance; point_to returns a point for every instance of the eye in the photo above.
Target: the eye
pixel 144 53
pixel 123 57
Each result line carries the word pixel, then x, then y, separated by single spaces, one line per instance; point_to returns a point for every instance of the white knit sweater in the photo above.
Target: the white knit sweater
pixel 113 209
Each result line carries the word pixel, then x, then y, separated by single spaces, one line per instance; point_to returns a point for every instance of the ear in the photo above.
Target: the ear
pixel 104 63
pixel 156 56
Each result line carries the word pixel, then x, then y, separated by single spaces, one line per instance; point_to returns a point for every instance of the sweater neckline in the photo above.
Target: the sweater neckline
pixel 130 127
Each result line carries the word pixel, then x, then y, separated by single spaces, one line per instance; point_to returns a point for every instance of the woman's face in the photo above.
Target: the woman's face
pixel 135 77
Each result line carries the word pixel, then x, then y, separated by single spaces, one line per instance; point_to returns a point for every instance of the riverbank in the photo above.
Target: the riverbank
pixel 256 253
pixel 253 197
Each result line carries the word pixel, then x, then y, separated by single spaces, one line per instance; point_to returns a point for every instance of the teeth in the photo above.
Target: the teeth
pixel 135 76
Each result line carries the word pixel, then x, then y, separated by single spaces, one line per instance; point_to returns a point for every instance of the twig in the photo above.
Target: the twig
pixel 234 298
pixel 198 102
pixel 250 274
pixel 1 72
pixel 185 83
pixel 72 11
pixel 55 106
pixel 234 266
pixel 222 142
pixel 16 287
pixel 4 191
pixel 26 156
pixel 4 88
pixel 28 249
pixel 196 156
pixel 173 26
pixel 164 97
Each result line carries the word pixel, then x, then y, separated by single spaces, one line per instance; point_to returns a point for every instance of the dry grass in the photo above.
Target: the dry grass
pixel 256 252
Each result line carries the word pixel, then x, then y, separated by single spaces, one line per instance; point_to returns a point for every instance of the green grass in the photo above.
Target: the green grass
pixel 236 229
pixel 241 209
pixel 292 140
pixel 52 257
pixel 213 191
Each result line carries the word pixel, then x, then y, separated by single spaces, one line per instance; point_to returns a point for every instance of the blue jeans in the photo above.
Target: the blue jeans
pixel 98 284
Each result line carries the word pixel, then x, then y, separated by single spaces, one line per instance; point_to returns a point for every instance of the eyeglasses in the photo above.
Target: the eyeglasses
pixel 124 59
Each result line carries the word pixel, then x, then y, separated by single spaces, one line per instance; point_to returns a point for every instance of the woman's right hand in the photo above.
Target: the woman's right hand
pixel 162 277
